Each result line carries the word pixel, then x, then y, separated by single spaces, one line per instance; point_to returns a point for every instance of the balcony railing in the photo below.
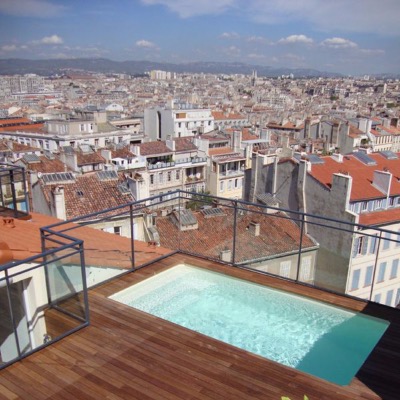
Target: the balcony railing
pixel 326 253
pixel 43 298
pixel 13 193
pixel 232 172
pixel 305 248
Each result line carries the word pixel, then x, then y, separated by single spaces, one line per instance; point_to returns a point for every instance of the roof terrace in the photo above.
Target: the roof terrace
pixel 123 353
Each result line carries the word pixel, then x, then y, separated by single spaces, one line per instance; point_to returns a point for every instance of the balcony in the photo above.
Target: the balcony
pixel 13 194
pixel 231 173
pixel 243 239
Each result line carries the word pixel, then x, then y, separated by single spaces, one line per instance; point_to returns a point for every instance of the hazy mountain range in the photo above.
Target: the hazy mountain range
pixel 59 66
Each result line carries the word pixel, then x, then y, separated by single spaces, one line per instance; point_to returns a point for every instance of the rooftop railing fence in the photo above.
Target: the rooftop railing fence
pixel 332 255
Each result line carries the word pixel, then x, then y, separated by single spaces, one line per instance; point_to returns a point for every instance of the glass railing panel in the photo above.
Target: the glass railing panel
pixel 200 225
pixel 8 339
pixel 40 302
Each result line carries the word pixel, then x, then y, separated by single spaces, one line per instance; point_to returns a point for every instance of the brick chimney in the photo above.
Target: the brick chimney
pixel 254 228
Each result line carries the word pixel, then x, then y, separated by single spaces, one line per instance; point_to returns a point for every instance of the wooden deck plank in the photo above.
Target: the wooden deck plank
pixel 128 354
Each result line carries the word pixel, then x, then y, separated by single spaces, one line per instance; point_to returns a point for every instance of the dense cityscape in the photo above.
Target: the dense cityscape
pixel 285 177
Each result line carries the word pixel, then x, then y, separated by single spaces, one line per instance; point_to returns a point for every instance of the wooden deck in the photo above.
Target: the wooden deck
pixel 127 354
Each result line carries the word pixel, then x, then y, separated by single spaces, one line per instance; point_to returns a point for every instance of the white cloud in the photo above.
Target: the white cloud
pixel 339 15
pixel 53 39
pixel 339 43
pixel 191 8
pixel 9 47
pixel 256 56
pixel 257 39
pixel 232 51
pixel 369 16
pixel 296 39
pixel 372 52
pixel 230 35
pixel 31 8
pixel 145 43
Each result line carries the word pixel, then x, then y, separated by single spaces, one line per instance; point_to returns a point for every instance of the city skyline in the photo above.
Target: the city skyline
pixel 349 37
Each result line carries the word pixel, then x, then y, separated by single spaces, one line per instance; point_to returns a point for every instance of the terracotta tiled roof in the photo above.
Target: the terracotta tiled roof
pixel 8 121
pixel 277 235
pixel 220 151
pixel 184 144
pixel 246 135
pixel 218 115
pixel 122 153
pixel 88 195
pixel 154 148
pixel 379 218
pixel 89 158
pixel 362 174
pixel 20 124
pixel 47 166
pixel 101 248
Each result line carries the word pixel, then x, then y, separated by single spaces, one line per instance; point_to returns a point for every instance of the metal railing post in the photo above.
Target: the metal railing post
pixel 132 238
pixel 13 194
pixel 179 221
pixel 84 281
pixel 45 266
pixel 10 306
pixel 300 247
pixel 375 266
pixel 234 233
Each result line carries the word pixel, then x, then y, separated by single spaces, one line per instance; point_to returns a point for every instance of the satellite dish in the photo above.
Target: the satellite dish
pixel 39 175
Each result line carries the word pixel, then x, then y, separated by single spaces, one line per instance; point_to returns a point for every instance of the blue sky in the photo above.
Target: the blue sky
pixel 346 36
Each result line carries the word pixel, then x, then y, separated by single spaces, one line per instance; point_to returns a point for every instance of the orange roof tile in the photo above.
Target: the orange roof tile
pixel 101 248
pixel 379 218
pixel 277 235
pixel 217 151
pixel 362 174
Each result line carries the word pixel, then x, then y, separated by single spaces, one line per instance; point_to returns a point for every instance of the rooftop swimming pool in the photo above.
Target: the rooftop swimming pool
pixel 323 340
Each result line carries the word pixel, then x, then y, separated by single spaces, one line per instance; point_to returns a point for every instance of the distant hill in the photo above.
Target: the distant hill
pixel 59 66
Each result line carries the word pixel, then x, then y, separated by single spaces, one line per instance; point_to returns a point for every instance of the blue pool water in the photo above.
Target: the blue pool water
pixel 326 341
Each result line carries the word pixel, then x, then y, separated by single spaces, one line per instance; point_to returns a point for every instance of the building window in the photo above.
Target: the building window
pixel 169 176
pixel 221 186
pixel 368 275
pixel 386 243
pixel 364 206
pixel 372 245
pixel 356 280
pixel 152 179
pixel 284 269
pixel 120 139
pixel 230 184
pixel 82 127
pixel 160 177
pixel 382 270
pixel 395 267
pixel 305 271
pixel 360 246
pixel 177 174
pixel 96 142
pixel 398 238
pixel 397 301
pixel 389 297
pixel 117 230
pixel 377 298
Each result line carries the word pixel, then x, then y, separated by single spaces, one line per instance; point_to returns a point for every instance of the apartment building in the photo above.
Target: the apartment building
pixel 172 164
pixel 357 188
pixel 178 120
pixel 226 173
pixel 74 132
